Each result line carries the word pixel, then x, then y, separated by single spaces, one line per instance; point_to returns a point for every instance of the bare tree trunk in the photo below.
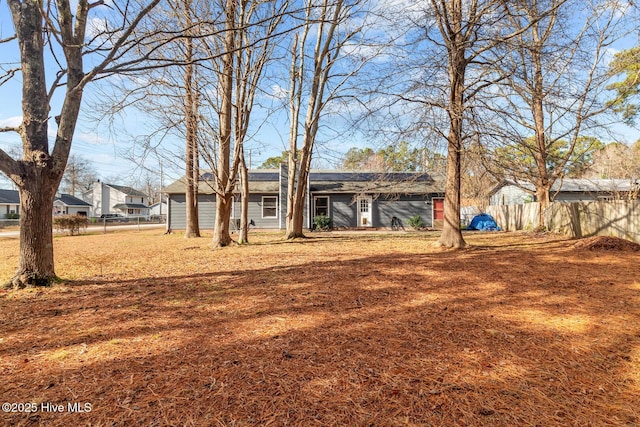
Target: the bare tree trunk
pixel 451 236
pixel 36 266
pixel 221 232
pixel 295 100
pixel 326 48
pixel 243 237
pixel 299 196
pixel 544 198
pixel 192 228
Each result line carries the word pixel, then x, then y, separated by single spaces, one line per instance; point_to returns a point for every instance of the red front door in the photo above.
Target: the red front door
pixel 438 213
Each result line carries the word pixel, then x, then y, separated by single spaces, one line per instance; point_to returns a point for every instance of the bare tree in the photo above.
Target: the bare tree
pixel 616 161
pixel 53 38
pixel 79 175
pixel 255 46
pixel 240 54
pixel 467 31
pixel 553 75
pixel 334 28
pixel 192 170
pixel 169 97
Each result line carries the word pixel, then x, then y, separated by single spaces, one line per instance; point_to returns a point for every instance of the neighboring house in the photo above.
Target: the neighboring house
pixel 350 199
pixel 565 190
pixel 9 203
pixel 66 204
pixel 116 199
pixel 158 210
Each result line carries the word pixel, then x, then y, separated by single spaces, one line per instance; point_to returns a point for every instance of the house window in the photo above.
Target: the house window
pixel 269 207
pixel 321 206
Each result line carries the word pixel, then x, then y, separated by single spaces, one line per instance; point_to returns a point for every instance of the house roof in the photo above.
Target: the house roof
pixel 268 181
pixel 130 206
pixel 9 197
pixel 262 181
pixel 69 200
pixel 374 182
pixel 127 190
pixel 577 185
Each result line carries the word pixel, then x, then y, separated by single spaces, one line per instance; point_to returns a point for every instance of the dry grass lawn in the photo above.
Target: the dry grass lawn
pixel 336 330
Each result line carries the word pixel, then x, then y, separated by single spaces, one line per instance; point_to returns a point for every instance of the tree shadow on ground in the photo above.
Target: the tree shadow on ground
pixel 485 337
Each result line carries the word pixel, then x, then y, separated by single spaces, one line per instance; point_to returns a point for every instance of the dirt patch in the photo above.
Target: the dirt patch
pixel 607 243
pixel 334 330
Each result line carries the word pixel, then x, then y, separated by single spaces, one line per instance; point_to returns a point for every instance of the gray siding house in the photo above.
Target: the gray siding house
pixel 350 199
pixel 565 190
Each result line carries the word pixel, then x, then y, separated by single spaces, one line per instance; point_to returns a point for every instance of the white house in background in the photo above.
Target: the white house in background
pixel 66 204
pixel 158 210
pixel 116 199
pixel 9 203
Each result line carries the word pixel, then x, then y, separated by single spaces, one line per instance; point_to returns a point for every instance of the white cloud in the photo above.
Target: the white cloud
pixel 278 92
pixel 11 121
pixel 90 138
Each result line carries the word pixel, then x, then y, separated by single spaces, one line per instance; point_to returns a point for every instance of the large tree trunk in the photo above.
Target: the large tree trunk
pixel 451 236
pixel 36 267
pixel 296 221
pixel 296 215
pixel 222 234
pixel 543 196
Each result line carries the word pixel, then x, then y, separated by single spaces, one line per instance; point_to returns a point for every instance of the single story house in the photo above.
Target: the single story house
pixel 566 190
pixel 350 199
pixel 9 203
pixel 116 199
pixel 66 204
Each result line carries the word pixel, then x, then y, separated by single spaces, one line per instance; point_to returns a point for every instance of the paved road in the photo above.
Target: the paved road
pixel 97 228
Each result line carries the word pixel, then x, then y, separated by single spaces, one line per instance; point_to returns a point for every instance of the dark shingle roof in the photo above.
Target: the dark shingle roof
pixel 11 197
pixel 268 181
pixel 374 182
pixel 70 200
pixel 128 190
pixel 130 206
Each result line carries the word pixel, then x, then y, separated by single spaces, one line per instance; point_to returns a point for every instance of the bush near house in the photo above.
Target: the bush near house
pixel 322 222
pixel 71 223
pixel 416 222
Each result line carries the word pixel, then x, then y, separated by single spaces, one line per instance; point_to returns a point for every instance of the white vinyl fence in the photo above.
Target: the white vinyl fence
pixel 620 218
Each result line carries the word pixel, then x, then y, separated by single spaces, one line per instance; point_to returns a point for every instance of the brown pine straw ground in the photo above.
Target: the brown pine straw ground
pixel 340 329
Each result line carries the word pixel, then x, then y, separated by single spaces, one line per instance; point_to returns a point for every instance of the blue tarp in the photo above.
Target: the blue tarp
pixel 484 222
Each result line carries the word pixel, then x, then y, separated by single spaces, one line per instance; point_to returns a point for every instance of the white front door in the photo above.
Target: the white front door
pixel 365 219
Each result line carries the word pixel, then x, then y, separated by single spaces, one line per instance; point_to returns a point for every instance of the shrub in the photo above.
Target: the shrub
pixel 416 222
pixel 13 216
pixel 322 222
pixel 72 223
